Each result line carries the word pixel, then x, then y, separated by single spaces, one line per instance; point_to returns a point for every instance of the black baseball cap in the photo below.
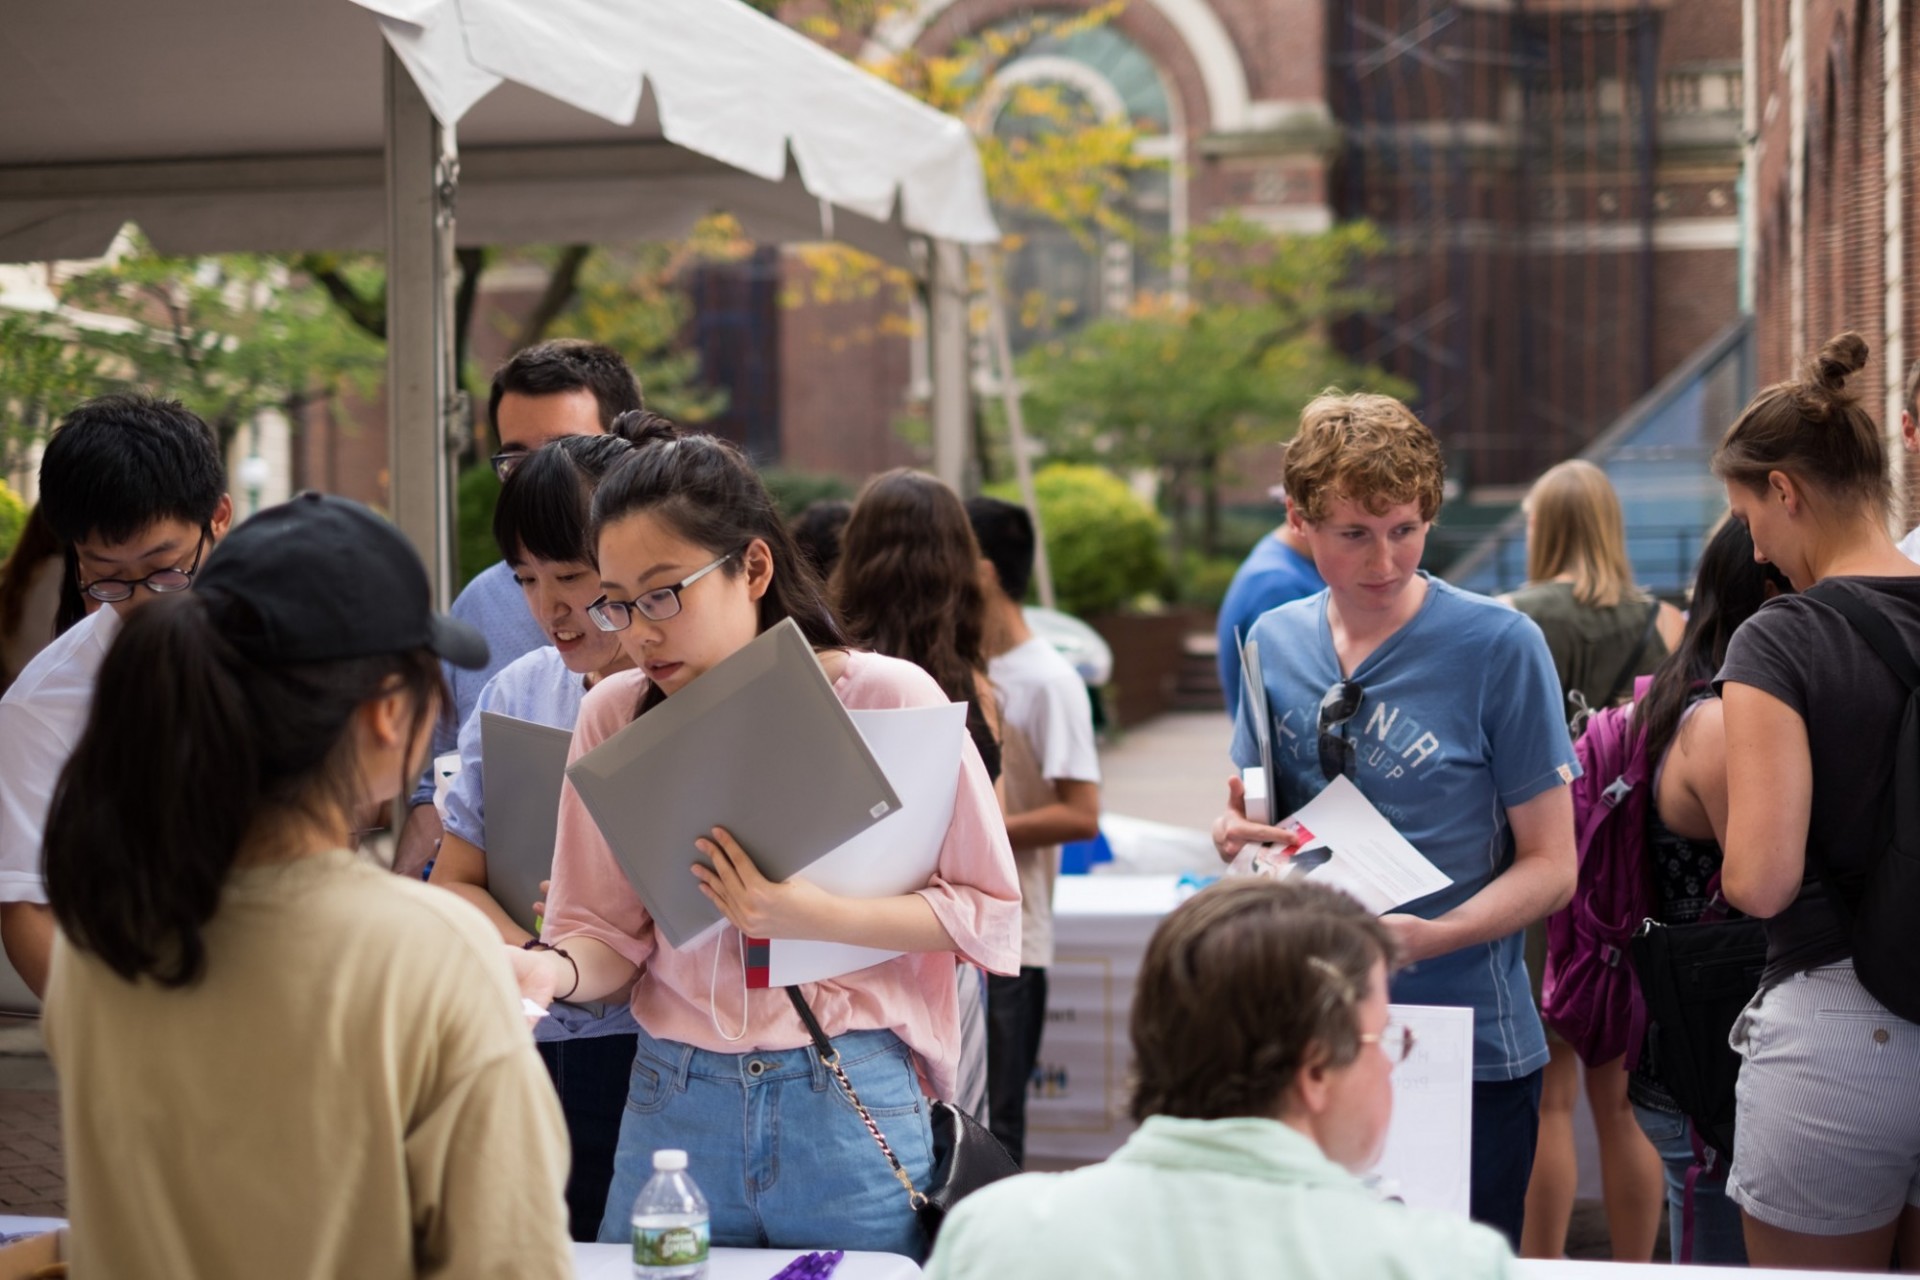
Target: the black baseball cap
pixel 322 578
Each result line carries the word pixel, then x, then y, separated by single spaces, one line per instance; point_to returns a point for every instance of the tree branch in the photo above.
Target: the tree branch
pixel 560 289
pixel 368 313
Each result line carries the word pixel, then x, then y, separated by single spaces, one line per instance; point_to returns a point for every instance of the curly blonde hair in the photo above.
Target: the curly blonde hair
pixel 1365 448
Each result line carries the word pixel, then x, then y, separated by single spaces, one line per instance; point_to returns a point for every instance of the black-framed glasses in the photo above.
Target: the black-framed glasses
pixel 655 606
pixel 1337 706
pixel 505 461
pixel 162 582
pixel 1394 1040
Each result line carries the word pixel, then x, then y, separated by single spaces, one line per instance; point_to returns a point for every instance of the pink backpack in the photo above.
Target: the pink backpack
pixel 1589 994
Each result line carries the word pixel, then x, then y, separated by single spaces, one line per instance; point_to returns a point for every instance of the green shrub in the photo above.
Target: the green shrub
pixel 1103 541
pixel 794 491
pixel 1204 580
pixel 13 518
pixel 474 497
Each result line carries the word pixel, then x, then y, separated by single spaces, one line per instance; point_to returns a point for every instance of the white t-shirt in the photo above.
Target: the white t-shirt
pixel 1043 697
pixel 1910 545
pixel 41 718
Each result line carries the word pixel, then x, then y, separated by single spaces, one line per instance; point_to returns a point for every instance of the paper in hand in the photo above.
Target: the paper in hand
pixel 1349 844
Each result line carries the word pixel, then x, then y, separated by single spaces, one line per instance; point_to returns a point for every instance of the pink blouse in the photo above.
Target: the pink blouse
pixel 975 892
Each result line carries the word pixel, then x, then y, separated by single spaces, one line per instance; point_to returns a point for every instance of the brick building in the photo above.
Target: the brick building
pixel 1559 181
pixel 1836 163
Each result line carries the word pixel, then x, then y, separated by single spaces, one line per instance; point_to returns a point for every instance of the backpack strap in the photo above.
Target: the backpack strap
pixel 1620 678
pixel 1873 628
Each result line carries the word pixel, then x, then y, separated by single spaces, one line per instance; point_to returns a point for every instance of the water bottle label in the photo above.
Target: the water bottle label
pixel 670 1246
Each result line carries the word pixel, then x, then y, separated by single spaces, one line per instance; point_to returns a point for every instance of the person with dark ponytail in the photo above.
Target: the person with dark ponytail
pixel 1686 741
pixel 1827 1167
pixel 542 523
pixel 695 562
pixel 274 1057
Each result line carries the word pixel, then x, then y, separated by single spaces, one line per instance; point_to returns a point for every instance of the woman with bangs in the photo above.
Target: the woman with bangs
pixel 695 562
pixel 541 524
pixel 1443 709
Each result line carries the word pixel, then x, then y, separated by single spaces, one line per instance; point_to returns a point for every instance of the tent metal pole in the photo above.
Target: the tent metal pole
pixel 993 265
pixel 948 342
pixel 422 173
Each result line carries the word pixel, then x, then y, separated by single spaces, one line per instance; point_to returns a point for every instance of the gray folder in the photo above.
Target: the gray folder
pixel 759 745
pixel 525 764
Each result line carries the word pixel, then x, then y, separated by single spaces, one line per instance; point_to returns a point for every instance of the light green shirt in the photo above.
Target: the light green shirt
pixel 1237 1198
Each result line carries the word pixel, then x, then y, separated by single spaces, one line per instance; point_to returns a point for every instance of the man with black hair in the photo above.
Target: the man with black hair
pixel 136 487
pixel 566 387
pixel 1051 771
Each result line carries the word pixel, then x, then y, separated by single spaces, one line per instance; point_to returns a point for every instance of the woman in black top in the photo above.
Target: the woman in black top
pixel 1827 1167
pixel 1686 740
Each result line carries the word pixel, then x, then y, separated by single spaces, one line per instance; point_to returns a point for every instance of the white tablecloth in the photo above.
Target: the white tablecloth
pixel 1568 1269
pixel 615 1262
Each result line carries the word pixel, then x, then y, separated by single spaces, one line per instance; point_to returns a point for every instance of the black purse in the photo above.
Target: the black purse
pixel 1695 979
pixel 966 1156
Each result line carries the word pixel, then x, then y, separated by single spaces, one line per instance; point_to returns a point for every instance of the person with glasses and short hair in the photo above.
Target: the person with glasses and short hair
pixel 1443 708
pixel 695 562
pixel 136 489
pixel 1263 1065
pixel 565 387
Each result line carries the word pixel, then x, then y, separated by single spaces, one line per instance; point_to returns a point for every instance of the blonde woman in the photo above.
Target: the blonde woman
pixel 1602 631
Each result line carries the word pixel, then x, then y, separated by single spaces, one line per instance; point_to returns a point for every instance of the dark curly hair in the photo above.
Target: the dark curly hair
pixel 907 584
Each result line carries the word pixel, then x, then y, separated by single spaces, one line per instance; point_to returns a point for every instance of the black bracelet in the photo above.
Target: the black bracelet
pixel 534 944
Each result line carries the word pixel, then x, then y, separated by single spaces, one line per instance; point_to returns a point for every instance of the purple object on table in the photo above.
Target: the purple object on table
pixel 811 1266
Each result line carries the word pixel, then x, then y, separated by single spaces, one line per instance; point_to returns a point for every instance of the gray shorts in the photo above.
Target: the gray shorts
pixel 1827 1140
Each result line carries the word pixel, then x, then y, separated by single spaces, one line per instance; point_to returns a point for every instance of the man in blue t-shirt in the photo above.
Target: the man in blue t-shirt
pixel 565 387
pixel 1278 570
pixel 1443 708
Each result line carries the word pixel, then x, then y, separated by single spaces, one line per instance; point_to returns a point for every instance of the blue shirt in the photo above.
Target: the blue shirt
pixel 1459 722
pixel 1273 574
pixel 536 687
pixel 493 603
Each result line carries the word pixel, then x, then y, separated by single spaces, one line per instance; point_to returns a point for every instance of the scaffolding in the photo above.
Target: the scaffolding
pixel 1509 154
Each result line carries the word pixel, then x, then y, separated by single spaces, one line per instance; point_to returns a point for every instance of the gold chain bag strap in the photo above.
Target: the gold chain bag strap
pixel 966 1156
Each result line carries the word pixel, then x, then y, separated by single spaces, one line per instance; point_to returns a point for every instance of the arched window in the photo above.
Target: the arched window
pixel 1058 280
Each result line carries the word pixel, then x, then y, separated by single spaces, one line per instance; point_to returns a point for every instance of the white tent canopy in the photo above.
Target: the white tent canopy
pixel 226 125
pixel 286 125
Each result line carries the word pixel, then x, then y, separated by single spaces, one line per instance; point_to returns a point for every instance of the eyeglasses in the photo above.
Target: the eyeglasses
pixel 1337 706
pixel 505 461
pixel 656 606
pixel 1394 1040
pixel 162 582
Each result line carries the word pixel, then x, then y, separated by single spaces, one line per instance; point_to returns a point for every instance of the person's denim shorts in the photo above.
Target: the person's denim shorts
pixel 1718 1238
pixel 1828 1134
pixel 780 1154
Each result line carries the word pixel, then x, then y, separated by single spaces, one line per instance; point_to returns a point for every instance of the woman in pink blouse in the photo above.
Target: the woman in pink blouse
pixel 696 562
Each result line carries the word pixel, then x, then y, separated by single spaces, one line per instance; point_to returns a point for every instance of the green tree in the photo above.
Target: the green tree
pixel 1179 385
pixel 229 336
pixel 43 372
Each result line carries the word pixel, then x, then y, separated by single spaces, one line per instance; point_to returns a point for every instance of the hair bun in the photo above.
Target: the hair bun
pixel 1842 357
pixel 644 426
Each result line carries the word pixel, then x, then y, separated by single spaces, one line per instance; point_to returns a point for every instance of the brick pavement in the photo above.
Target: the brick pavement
pixel 33 1181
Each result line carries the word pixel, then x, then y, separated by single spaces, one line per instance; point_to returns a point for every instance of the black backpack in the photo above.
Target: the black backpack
pixel 1881 911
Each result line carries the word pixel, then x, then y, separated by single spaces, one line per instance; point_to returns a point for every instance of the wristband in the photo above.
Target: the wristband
pixel 534 944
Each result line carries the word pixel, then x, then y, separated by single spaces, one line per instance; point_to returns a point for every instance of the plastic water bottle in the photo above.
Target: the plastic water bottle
pixel 670 1223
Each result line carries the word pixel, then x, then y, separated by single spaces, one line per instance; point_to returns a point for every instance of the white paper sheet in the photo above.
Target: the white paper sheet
pixel 918 748
pixel 1352 846
pixel 1429 1155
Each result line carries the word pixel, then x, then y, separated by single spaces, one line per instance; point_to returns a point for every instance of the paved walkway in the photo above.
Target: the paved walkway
pixel 32 1177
